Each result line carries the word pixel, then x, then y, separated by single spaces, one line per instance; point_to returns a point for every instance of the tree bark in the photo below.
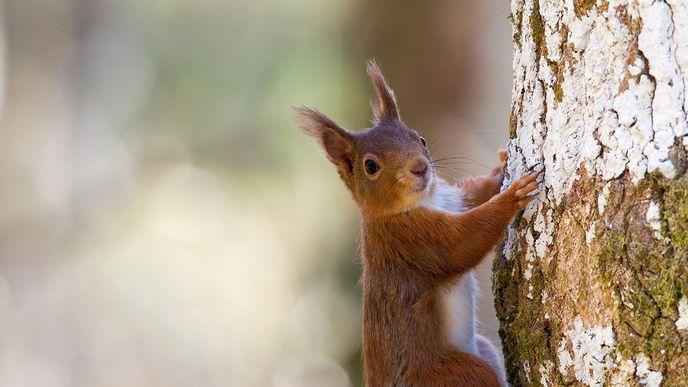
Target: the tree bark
pixel 591 287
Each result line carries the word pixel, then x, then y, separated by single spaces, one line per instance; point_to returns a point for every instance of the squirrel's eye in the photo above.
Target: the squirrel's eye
pixel 371 167
pixel 423 141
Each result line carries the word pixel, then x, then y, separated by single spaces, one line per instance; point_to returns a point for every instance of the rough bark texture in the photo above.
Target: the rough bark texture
pixel 592 285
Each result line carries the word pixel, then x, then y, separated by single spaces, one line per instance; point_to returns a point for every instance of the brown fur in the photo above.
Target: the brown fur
pixel 411 254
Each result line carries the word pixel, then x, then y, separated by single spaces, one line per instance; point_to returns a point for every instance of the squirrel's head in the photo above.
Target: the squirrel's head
pixel 387 168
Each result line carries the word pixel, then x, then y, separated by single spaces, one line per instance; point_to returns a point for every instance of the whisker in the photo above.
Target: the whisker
pixel 454 169
pixel 445 139
pixel 453 161
pixel 431 142
pixel 475 167
pixel 446 176
pixel 456 158
pixel 461 158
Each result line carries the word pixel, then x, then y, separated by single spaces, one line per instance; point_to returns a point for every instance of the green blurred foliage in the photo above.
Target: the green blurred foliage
pixel 163 223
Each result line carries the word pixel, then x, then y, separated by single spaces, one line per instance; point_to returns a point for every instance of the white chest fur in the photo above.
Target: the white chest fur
pixel 458 300
pixel 446 198
pixel 459 313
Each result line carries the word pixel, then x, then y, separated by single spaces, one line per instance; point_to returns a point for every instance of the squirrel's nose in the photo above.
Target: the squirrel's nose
pixel 419 167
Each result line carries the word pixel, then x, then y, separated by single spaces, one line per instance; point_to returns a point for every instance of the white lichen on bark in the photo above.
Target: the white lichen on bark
pixel 599 96
pixel 653 218
pixel 614 116
pixel 682 322
pixel 545 369
pixel 590 355
pixel 646 376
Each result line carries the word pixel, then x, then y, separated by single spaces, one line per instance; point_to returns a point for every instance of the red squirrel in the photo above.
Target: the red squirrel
pixel 421 238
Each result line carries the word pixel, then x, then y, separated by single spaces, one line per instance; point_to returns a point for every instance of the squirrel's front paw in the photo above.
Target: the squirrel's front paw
pixel 502 156
pixel 497 173
pixel 519 194
pixel 499 169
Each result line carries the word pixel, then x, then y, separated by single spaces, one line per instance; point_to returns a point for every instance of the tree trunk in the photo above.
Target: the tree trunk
pixel 592 284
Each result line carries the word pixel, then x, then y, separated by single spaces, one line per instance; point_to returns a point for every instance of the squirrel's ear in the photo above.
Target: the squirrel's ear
pixel 337 142
pixel 386 107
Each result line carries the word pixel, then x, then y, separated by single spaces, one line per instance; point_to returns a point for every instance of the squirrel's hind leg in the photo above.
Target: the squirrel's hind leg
pixel 462 369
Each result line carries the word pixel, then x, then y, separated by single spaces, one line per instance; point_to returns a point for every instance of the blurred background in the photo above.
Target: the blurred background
pixel 163 224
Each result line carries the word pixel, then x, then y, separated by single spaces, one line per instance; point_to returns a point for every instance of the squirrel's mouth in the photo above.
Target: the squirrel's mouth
pixel 423 184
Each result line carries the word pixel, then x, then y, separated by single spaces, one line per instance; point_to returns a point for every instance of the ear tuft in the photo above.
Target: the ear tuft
pixel 386 108
pixel 312 122
pixel 337 142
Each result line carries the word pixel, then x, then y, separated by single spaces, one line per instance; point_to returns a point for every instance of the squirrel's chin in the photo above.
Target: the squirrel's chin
pixel 420 188
pixel 426 186
pixel 422 191
pixel 410 198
